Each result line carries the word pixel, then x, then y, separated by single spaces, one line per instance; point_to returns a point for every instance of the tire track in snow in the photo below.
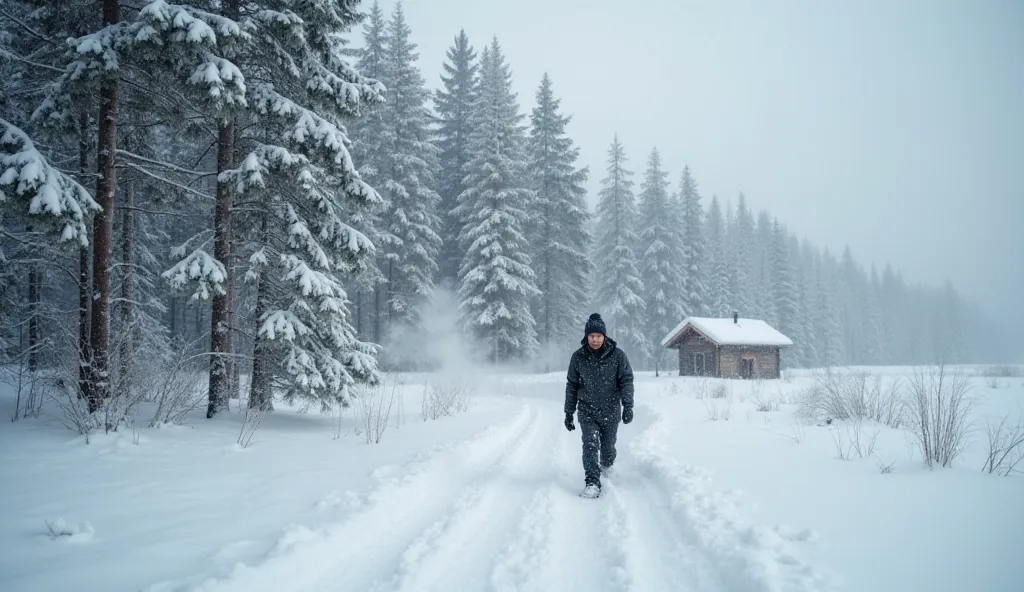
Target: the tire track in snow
pixel 659 555
pixel 735 555
pixel 457 551
pixel 579 554
pixel 349 555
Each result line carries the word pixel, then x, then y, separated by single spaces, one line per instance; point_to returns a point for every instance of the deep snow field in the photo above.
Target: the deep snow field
pixel 709 493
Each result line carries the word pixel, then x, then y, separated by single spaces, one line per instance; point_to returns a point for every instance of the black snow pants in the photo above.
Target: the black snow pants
pixel 599 433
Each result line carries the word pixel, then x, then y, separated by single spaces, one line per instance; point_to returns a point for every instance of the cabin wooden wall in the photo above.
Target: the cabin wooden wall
pixel 766 360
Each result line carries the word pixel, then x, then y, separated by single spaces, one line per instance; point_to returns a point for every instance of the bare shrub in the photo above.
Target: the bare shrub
pixel 29 388
pixel 253 418
pixel 673 389
pixel 177 389
pixel 854 395
pixel 445 398
pixel 702 388
pixel 940 406
pixel 992 382
pixel 885 469
pixel 719 408
pixel 374 404
pixel 765 402
pixel 1001 371
pixel 851 438
pixel 1005 446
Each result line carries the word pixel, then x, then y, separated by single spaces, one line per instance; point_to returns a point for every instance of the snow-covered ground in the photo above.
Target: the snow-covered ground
pixel 486 499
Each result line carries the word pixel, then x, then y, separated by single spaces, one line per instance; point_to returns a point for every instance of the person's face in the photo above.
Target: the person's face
pixel 595 340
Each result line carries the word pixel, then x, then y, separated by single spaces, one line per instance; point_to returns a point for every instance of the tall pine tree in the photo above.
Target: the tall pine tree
pixel 619 287
pixel 694 274
pixel 660 256
pixel 496 281
pixel 454 105
pixel 785 293
pixel 406 178
pixel 719 282
pixel 560 237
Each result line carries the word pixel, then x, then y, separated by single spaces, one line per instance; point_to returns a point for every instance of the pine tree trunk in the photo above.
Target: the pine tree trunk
pixel 34 299
pixel 84 284
pixel 260 396
pixel 127 281
pixel 220 321
pixel 173 308
pixel 220 313
pixel 378 313
pixel 98 384
pixel 233 346
pixel 84 310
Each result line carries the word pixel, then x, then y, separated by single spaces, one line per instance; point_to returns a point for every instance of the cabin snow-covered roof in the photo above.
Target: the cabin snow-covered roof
pixel 729 332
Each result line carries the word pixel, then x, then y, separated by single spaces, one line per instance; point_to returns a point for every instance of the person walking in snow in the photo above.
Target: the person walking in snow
pixel 599 385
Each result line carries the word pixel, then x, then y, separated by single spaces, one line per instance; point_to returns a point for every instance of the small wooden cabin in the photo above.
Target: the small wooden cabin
pixel 727 348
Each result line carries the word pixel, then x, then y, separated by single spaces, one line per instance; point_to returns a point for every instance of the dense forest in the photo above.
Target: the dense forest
pixel 272 190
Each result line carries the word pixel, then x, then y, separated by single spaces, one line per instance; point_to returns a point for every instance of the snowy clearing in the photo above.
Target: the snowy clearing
pixel 487 499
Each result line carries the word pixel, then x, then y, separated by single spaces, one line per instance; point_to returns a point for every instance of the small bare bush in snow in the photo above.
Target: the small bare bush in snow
pixel 1005 446
pixel 764 401
pixel 30 388
pixel 992 382
pixel 940 407
pixel 854 395
pixel 253 418
pixel 852 438
pixel 374 407
pixel 719 408
pixel 1002 371
pixel 177 389
pixel 445 398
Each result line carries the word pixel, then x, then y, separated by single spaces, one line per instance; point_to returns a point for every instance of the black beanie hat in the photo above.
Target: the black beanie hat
pixel 594 325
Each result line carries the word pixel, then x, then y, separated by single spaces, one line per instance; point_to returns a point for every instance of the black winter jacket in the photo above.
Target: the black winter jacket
pixel 599 382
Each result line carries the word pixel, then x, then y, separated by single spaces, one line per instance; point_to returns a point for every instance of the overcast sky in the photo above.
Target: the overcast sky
pixel 896 128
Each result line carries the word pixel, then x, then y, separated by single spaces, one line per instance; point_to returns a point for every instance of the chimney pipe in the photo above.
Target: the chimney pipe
pixel 735 317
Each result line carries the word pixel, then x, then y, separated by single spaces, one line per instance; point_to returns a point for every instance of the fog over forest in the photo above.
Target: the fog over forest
pixel 488 175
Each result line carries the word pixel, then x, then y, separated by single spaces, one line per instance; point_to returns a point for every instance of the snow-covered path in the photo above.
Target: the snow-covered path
pixel 500 511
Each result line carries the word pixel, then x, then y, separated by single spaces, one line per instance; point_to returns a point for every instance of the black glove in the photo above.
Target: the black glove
pixel 568 422
pixel 627 415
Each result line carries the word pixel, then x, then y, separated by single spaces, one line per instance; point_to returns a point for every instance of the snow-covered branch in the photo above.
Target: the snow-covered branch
pixel 54 198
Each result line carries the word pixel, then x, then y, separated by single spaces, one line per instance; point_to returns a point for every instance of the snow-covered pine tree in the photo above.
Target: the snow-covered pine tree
pixel 785 293
pixel 852 303
pixel 370 141
pixel 719 283
pixel 496 281
pixel 619 286
pixel 828 327
pixel 695 290
pixel 764 305
pixel 808 303
pixel 302 188
pixel 407 178
pixel 660 258
pixel 561 239
pixel 55 202
pixel 877 353
pixel 39 196
pixel 453 105
pixel 741 250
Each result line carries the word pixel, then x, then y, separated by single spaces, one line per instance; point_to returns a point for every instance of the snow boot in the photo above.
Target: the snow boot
pixel 591 491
